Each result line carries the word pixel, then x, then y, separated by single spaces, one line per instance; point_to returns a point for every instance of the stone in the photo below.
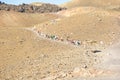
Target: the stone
pixel 85 66
pixel 101 42
pixel 63 74
pixel 76 70
pixel 96 51
pixel 21 10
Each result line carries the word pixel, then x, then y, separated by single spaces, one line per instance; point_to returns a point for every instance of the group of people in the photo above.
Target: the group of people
pixel 54 37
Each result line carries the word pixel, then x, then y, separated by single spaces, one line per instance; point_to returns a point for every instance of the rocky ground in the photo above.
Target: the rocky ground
pixel 28 8
pixel 80 43
pixel 42 63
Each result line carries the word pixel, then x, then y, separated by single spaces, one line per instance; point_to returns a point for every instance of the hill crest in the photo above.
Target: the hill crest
pixel 31 8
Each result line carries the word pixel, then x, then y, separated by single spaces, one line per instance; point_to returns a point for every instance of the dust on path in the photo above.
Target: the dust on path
pixel 111 60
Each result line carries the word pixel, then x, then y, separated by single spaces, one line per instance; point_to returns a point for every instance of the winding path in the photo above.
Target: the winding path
pixel 55 38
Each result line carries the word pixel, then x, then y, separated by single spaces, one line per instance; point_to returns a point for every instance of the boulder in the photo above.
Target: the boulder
pixel 21 9
pixel 96 51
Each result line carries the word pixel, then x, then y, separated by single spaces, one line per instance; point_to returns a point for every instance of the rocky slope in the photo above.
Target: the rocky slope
pixel 17 19
pixel 110 4
pixel 27 8
pixel 43 46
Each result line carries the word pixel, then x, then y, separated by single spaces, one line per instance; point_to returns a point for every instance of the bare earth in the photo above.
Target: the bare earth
pixel 28 52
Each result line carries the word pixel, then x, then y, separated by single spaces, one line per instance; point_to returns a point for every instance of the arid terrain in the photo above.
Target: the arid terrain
pixel 81 42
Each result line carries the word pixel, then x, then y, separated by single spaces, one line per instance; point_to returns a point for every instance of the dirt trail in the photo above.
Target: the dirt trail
pixel 112 58
pixel 109 66
pixel 54 38
pixel 110 62
pixel 92 73
pixel 42 59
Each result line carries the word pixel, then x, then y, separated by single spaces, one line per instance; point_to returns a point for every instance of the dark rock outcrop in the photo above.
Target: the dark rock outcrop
pixel 44 8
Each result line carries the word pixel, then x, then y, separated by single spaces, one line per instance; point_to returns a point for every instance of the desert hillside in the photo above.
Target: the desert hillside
pixel 95 3
pixel 15 19
pixel 80 42
pixel 94 23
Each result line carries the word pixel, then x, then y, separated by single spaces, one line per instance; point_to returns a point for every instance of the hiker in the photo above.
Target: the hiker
pixel 59 39
pixel 39 32
pixel 77 43
pixel 72 42
pixel 47 36
pixel 52 37
pixel 43 35
pixel 62 39
pixel 56 37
